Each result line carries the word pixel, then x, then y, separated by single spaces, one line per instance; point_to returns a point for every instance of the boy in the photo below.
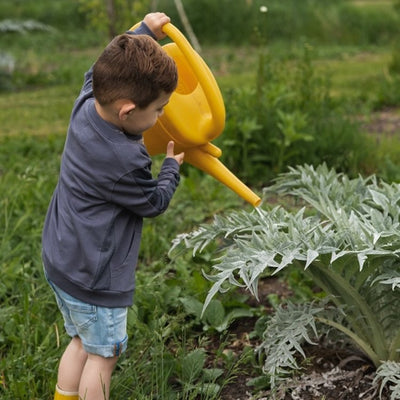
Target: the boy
pixel 93 225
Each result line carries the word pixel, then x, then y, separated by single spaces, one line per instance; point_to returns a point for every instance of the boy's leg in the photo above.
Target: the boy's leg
pixel 96 377
pixel 71 366
pixel 89 374
pixel 99 338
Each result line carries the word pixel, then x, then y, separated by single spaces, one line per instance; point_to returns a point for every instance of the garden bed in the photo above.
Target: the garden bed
pixel 330 372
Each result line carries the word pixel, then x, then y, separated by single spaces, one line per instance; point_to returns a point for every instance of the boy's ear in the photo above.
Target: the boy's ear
pixel 125 109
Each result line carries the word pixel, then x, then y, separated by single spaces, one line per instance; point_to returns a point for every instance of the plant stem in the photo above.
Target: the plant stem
pixel 394 350
pixel 365 347
pixel 335 284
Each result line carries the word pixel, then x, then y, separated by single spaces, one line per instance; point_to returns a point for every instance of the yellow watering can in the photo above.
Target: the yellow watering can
pixel 194 116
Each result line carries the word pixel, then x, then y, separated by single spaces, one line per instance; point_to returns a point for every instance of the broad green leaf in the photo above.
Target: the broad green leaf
pixel 192 365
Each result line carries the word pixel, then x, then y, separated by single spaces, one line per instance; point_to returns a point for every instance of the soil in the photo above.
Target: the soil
pixel 384 122
pixel 329 373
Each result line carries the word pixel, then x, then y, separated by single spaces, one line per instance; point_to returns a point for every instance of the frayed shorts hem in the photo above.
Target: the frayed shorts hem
pixel 113 350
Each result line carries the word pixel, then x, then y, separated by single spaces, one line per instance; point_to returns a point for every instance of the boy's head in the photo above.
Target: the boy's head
pixel 134 68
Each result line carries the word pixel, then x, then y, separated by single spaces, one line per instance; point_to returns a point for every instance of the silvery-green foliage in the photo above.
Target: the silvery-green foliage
pixel 392 279
pixel 346 236
pixel 7 62
pixel 9 25
pixel 286 330
pixel 389 373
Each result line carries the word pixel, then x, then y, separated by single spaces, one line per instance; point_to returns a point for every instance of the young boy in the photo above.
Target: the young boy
pixel 93 226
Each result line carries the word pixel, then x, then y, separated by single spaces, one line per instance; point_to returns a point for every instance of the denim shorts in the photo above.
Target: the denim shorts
pixel 102 330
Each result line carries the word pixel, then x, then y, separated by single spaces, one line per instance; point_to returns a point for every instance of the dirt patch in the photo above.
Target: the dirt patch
pixel 386 122
pixel 329 373
pixel 333 374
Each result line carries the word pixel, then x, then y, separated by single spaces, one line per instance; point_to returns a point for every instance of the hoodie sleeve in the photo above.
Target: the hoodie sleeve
pixel 142 29
pixel 145 196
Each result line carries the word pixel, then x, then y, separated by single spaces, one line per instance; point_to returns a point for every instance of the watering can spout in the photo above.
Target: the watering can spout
pixel 203 160
pixel 204 157
pixel 194 116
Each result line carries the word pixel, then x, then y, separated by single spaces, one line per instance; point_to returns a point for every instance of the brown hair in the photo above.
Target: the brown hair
pixel 133 67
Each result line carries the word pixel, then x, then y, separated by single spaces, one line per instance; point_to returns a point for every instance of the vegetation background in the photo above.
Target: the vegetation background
pixel 303 83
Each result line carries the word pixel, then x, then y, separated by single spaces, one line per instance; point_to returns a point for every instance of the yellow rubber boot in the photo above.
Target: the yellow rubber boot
pixel 63 395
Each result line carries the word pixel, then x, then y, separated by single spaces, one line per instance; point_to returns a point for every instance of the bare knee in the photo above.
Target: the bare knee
pixel 96 378
pixel 103 363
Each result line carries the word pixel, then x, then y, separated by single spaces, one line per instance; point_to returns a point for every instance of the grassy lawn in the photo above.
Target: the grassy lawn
pixel 46 110
pixel 37 112
pixel 373 3
pixel 352 73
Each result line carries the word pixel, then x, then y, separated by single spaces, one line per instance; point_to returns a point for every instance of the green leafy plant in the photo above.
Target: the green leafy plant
pixel 290 117
pixel 217 316
pixel 195 378
pixel 113 16
pixel 346 237
pixel 321 21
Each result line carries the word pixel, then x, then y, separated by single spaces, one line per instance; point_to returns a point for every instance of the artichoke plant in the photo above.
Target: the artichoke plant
pixel 345 234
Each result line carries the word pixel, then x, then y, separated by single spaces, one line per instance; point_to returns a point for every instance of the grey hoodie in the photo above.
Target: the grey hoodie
pixel 93 227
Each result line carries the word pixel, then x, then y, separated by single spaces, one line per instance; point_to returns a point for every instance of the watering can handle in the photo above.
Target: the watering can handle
pixel 197 64
pixel 199 67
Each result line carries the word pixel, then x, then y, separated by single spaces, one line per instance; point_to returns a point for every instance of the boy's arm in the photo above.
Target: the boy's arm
pixel 152 25
pixel 155 21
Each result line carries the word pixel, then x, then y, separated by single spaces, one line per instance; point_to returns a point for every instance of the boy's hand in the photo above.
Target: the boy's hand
pixel 170 153
pixel 155 21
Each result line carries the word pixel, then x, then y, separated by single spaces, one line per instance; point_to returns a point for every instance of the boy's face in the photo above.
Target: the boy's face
pixel 139 120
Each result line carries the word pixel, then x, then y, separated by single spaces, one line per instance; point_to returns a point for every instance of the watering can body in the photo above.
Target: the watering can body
pixel 194 116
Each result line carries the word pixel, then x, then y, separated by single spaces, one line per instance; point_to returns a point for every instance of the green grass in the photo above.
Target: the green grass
pixel 355 73
pixel 37 112
pixel 377 4
pixel 28 171
pixel 162 334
